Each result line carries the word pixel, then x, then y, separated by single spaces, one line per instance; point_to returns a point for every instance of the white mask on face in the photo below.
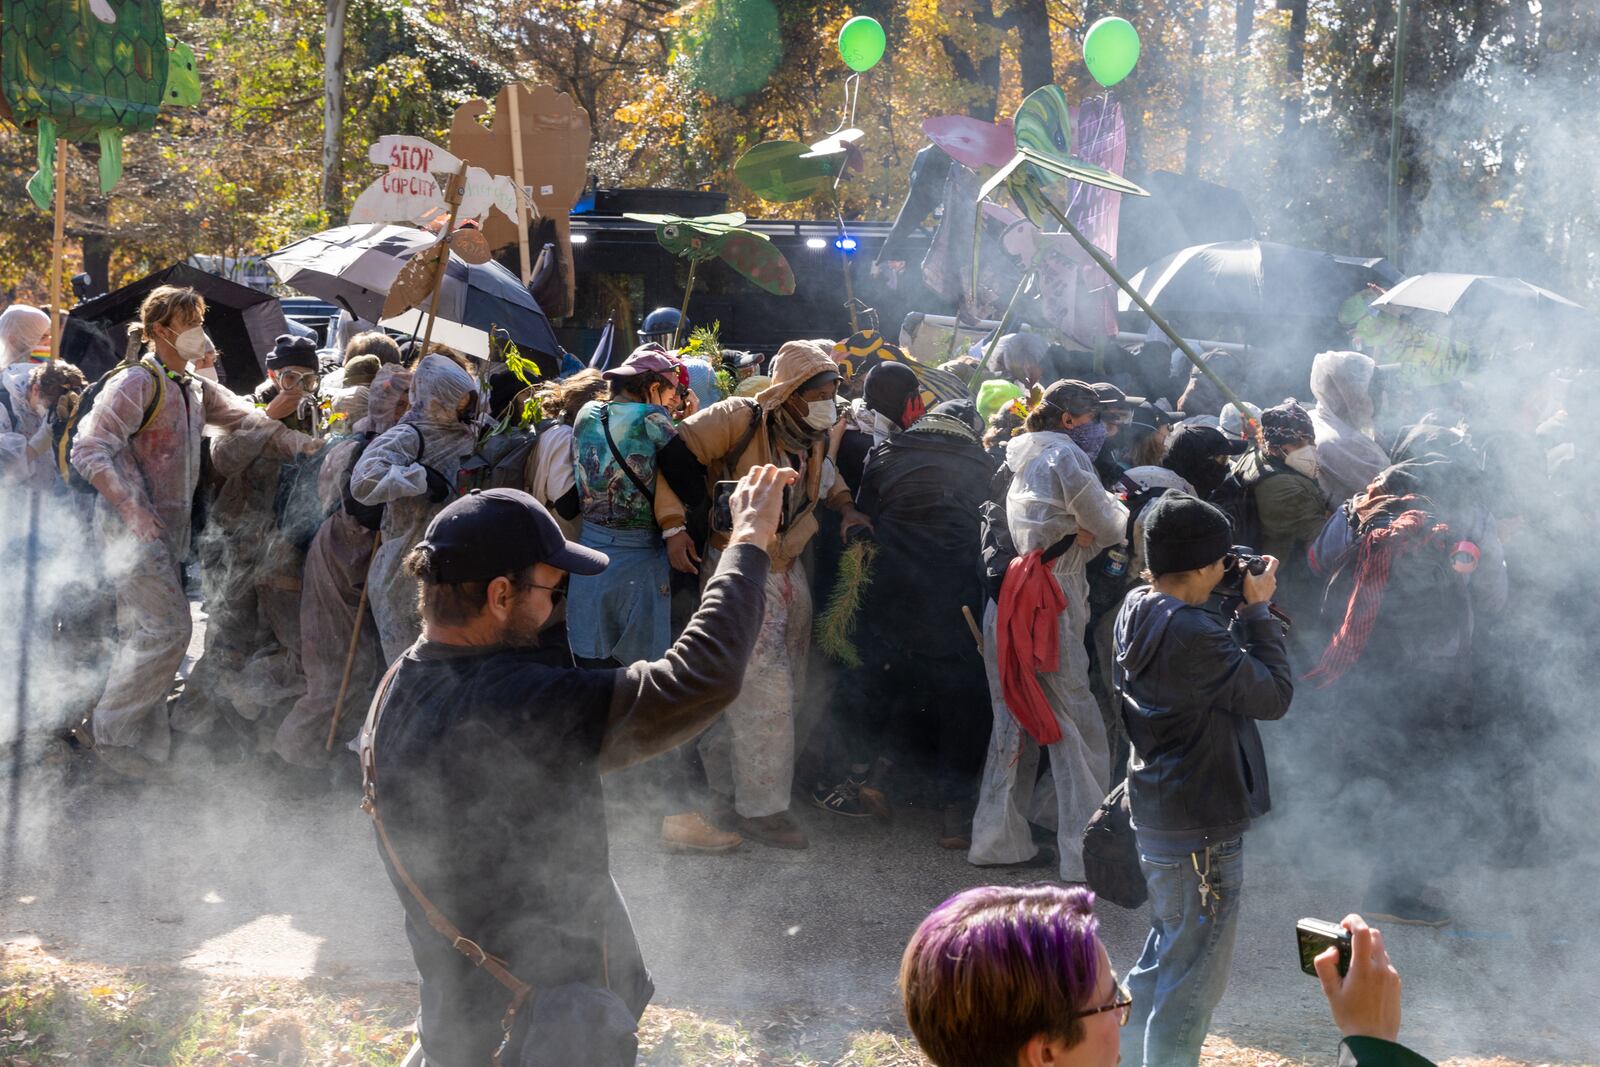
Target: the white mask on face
pixel 191 343
pixel 822 414
pixel 1304 460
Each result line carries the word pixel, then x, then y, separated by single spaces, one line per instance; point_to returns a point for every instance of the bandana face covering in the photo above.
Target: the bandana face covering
pixel 1090 437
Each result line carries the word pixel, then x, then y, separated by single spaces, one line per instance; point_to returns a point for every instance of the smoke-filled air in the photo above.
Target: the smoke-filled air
pixel 989 533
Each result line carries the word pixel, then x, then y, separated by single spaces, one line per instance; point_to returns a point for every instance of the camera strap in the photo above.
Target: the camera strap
pixel 494 966
pixel 616 453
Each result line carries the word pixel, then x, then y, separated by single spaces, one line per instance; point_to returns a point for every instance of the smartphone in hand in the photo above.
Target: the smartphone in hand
pixel 1316 936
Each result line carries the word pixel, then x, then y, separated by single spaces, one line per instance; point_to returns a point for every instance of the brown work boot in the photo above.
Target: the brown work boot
pixel 777 831
pixel 689 832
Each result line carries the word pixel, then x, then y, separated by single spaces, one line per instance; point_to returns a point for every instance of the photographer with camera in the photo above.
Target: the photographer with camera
pixel 1192 693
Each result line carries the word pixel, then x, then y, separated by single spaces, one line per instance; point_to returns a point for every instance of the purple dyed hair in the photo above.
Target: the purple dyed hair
pixel 995 966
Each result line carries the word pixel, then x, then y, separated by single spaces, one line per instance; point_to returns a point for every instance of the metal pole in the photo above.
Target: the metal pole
pixel 1133 294
pixel 1399 92
pixel 683 312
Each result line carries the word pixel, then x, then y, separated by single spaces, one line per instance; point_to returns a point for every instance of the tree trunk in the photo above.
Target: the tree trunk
pixel 1294 98
pixel 1194 102
pixel 333 112
pixel 1244 21
pixel 1032 20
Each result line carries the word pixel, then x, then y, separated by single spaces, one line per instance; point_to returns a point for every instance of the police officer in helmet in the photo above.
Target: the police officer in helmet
pixel 661 326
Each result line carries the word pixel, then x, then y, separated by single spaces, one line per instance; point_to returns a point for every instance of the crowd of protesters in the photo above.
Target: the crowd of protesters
pixel 1053 564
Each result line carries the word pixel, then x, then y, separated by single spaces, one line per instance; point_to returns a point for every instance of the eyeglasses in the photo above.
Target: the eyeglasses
pixel 1123 1003
pixel 557 592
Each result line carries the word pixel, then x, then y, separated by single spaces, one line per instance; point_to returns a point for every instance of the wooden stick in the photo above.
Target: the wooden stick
pixel 350 655
pixel 972 624
pixel 452 194
pixel 58 251
pixel 1005 320
pixel 512 93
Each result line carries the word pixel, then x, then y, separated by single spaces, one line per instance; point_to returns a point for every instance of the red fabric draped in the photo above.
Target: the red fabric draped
pixel 1028 639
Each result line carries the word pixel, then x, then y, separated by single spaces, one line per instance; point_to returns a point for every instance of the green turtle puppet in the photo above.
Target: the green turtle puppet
pixel 89 71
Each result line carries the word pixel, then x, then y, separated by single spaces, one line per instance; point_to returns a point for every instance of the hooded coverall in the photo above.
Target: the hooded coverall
pixel 1054 493
pixel 156 469
pixel 394 471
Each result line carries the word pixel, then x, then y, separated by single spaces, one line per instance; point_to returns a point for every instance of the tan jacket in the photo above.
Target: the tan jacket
pixel 711 434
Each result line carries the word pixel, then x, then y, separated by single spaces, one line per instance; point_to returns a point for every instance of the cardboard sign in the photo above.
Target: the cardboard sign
pixel 413 188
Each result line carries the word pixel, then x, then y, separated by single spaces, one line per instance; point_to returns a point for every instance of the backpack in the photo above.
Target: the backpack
pixel 498 462
pixel 1236 498
pixel 65 432
pixel 996 549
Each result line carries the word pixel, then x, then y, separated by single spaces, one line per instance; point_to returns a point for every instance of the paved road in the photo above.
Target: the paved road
pixel 232 876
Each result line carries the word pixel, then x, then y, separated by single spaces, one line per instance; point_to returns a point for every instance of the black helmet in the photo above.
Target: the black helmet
pixel 661 326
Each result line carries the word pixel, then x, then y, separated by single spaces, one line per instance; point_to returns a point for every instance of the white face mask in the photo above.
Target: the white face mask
pixel 1304 460
pixel 191 343
pixel 822 414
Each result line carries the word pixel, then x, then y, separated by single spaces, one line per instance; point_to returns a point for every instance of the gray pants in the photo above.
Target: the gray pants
pixel 153 629
pixel 748 753
pixel 1079 762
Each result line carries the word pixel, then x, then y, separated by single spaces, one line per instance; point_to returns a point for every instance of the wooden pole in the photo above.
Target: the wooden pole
pixel 512 93
pixel 58 251
pixel 683 312
pixel 1133 294
pixel 1005 320
pixel 1397 95
pixel 452 195
pixel 350 655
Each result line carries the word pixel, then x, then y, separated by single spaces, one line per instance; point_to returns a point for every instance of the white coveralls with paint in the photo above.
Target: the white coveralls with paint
pixel 393 471
pixel 156 468
pixel 1054 493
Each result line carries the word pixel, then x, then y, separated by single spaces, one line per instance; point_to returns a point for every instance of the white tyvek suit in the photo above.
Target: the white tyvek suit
pixel 335 572
pixel 19 427
pixel 1054 493
pixel 21 327
pixel 157 468
pixel 393 472
pixel 1347 456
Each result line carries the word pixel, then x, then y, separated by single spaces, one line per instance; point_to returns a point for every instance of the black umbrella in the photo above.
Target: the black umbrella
pixel 355 266
pixel 1255 279
pixel 242 322
pixel 601 360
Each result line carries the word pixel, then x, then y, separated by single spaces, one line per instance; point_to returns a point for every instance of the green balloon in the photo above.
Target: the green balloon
pixel 861 43
pixel 1110 49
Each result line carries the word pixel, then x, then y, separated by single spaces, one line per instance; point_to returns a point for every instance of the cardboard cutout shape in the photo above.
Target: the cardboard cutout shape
pixel 972 142
pixel 411 191
pixel 786 171
pixel 85 71
pixel 550 139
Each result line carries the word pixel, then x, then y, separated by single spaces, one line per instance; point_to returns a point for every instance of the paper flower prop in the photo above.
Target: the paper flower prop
pixel 708 237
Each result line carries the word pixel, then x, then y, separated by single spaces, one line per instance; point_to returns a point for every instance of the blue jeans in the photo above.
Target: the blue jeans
pixel 1184 968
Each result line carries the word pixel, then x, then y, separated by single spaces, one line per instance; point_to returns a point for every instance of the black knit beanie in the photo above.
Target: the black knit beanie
pixel 1184 533
pixel 291 351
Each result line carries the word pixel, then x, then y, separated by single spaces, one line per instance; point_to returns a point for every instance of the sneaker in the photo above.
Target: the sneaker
pixel 957 832
pixel 1045 857
pixel 842 799
pixel 777 831
pixel 690 832
pixel 1410 909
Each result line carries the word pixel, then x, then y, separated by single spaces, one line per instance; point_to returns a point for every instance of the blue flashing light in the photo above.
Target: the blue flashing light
pixel 845 244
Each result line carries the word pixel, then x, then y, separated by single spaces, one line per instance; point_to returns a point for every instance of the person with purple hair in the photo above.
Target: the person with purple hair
pixel 1014 975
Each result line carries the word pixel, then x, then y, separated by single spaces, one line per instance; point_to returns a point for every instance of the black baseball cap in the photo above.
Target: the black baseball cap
pixel 493 532
pixel 1148 416
pixel 1111 396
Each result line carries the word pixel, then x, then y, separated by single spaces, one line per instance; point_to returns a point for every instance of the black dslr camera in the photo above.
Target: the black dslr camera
pixel 1228 596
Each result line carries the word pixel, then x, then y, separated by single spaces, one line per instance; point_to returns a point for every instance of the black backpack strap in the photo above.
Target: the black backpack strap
pixel 743 443
pixel 616 453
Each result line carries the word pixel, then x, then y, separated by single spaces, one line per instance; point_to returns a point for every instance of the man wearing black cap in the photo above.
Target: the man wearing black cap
pixel 1198 775
pixel 482 755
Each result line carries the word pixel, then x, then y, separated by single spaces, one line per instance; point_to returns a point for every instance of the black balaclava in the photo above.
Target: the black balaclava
pixel 892 390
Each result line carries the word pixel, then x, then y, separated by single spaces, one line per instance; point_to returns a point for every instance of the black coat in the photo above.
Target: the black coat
pixel 1376 1052
pixel 922 490
pixel 1192 697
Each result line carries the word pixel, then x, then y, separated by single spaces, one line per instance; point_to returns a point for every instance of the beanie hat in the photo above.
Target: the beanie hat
pixel 291 351
pixel 995 394
pixel 1285 424
pixel 1184 533
pixel 361 370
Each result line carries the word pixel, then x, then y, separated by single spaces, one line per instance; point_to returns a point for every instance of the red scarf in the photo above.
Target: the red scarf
pixel 1409 531
pixel 1028 640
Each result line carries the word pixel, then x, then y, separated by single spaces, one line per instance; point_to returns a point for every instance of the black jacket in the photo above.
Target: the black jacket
pixel 1192 696
pixel 1376 1052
